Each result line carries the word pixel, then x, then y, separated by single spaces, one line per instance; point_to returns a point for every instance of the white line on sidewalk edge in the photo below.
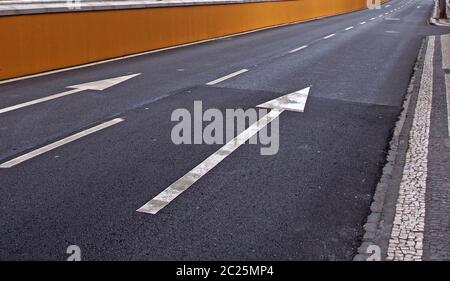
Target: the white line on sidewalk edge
pixel 329 36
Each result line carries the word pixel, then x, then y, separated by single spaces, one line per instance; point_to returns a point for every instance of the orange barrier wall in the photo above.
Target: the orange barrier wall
pixel 35 43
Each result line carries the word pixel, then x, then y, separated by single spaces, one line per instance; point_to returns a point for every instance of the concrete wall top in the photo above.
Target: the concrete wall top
pixel 17 7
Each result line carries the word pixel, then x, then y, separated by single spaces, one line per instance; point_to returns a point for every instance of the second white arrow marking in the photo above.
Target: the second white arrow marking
pixel 96 86
pixel 295 102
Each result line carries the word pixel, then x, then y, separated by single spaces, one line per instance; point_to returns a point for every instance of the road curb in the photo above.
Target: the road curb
pixel 378 225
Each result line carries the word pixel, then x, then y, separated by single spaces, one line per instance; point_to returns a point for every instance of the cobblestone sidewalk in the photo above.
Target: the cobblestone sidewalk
pixel 421 227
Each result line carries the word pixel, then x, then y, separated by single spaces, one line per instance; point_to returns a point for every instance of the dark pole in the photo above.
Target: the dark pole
pixel 443 9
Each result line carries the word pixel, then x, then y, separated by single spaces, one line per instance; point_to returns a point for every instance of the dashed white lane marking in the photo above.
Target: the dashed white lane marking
pixel 329 36
pixel 363 22
pixel 298 49
pixel 406 241
pixel 387 6
pixel 349 28
pixel 226 77
pixel 373 18
pixel 392 31
pixel 186 181
pixel 49 147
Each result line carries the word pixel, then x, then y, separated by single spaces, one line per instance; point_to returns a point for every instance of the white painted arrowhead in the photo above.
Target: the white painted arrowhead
pixel 103 84
pixel 295 101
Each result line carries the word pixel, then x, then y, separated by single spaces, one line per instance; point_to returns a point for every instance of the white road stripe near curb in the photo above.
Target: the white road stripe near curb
pixel 227 77
pixel 362 22
pixel 409 222
pixel 186 181
pixel 47 148
pixel 298 49
pixel 349 28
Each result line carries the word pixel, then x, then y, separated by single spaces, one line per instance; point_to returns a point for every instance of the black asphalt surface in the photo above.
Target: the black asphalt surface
pixel 308 202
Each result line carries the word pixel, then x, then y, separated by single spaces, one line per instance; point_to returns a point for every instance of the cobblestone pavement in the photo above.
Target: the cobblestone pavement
pixel 406 241
pixel 421 227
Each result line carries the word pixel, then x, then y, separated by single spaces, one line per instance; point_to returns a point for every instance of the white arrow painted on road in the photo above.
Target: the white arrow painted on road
pixel 294 102
pixel 95 86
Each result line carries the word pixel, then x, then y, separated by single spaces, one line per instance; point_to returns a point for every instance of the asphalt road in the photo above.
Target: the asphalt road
pixel 309 201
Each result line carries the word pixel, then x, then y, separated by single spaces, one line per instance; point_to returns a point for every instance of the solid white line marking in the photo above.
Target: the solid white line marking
pixel 49 147
pixel 298 49
pixel 362 23
pixel 295 101
pixel 95 86
pixel 349 28
pixel 221 79
pixel 329 36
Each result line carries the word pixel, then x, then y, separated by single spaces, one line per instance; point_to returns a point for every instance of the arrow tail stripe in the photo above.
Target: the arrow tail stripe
pixel 186 181
pixel 33 102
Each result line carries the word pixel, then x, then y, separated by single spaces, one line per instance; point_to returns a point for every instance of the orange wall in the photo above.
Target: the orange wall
pixel 36 43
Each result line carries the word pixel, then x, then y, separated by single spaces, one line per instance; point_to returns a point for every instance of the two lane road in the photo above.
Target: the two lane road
pixel 95 157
